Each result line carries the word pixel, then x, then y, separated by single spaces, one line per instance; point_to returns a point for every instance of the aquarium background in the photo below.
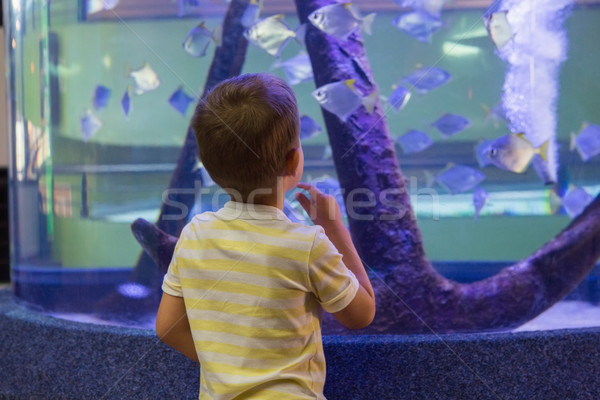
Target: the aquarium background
pixel 73 198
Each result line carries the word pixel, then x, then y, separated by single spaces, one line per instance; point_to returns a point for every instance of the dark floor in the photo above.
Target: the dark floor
pixel 4 242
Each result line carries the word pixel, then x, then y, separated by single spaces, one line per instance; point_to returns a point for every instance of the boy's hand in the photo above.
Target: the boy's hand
pixel 321 207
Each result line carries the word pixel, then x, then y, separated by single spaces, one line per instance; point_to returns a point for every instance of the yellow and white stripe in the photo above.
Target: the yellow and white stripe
pixel 254 284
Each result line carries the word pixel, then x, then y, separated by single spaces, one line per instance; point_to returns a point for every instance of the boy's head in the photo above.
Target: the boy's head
pixel 245 127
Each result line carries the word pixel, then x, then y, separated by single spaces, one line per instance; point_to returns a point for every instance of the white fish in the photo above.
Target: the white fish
pixel 145 78
pixel 297 69
pixel 340 20
pixel 499 28
pixel 270 34
pixel 342 99
pixel 513 152
pixel 198 39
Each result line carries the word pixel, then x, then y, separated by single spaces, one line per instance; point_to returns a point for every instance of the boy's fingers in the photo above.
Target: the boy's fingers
pixel 303 200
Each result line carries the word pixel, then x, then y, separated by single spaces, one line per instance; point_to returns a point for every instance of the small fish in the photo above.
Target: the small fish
pixel 480 197
pixel 270 34
pixel 340 20
pixel 427 78
pixel 399 97
pixel 251 13
pixel 89 125
pixel 513 152
pixel 459 178
pixel 480 149
pixel 309 128
pixel 451 124
pixel 575 201
pixel 126 102
pixel 342 99
pixel 499 28
pixel 327 152
pixel 101 97
pixel 329 185
pixel 297 69
pixel 587 142
pixel 198 39
pixel 145 78
pixel 414 141
pixel 180 100
pixel 419 25
pixel 432 7
pixel 94 6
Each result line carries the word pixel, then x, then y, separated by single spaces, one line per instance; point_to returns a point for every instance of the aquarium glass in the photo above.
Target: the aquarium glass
pixel 100 94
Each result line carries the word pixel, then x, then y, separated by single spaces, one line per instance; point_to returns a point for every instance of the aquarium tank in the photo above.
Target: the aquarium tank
pixel 460 138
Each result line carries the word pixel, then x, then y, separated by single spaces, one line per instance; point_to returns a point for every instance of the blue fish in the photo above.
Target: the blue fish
pixel 451 124
pixel 297 69
pixel 459 178
pixel 90 124
pixel 134 290
pixel 101 97
pixel 180 101
pixel 399 98
pixel 427 78
pixel 251 13
pixel 419 25
pixel 431 7
pixel 414 141
pixel 198 39
pixel 480 197
pixel 575 201
pixel 309 128
pixel 329 185
pixel 126 102
pixel 587 142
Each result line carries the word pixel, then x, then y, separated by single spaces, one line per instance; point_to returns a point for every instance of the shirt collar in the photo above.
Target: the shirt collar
pixel 238 210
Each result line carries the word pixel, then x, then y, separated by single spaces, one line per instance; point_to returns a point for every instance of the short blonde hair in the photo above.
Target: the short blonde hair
pixel 245 127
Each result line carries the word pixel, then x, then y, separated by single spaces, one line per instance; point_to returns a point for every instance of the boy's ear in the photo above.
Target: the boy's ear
pixel 291 162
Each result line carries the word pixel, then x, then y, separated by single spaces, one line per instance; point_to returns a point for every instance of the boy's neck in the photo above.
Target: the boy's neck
pixel 273 197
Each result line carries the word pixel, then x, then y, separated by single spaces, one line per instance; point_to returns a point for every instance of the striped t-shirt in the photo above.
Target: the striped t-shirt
pixel 254 284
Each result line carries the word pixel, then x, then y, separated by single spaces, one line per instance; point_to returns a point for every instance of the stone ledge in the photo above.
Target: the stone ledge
pixel 44 357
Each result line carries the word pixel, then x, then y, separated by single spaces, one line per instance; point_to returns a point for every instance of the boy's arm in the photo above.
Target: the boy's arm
pixel 173 327
pixel 324 211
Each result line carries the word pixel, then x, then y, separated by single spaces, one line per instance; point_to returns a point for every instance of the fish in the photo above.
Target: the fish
pixel 480 197
pixel 134 290
pixel 126 101
pixel 309 128
pixel 432 7
pixel 451 124
pixel 94 6
pixel 425 79
pixel 90 124
pixel 513 152
pixel 297 69
pixel 399 97
pixel 101 97
pixel 251 13
pixel 587 142
pixel 459 178
pixel 480 148
pixel 180 100
pixel 499 28
pixel 198 39
pixel 495 114
pixel 575 201
pixel 340 20
pixel 414 141
pixel 418 24
pixel 271 34
pixel 145 78
pixel 342 99
pixel 330 185
pixel 203 176
pixel 327 152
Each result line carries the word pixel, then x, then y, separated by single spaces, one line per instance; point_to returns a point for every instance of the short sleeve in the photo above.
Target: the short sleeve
pixel 171 282
pixel 333 284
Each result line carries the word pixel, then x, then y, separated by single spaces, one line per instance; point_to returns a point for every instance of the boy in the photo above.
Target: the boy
pixel 245 289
